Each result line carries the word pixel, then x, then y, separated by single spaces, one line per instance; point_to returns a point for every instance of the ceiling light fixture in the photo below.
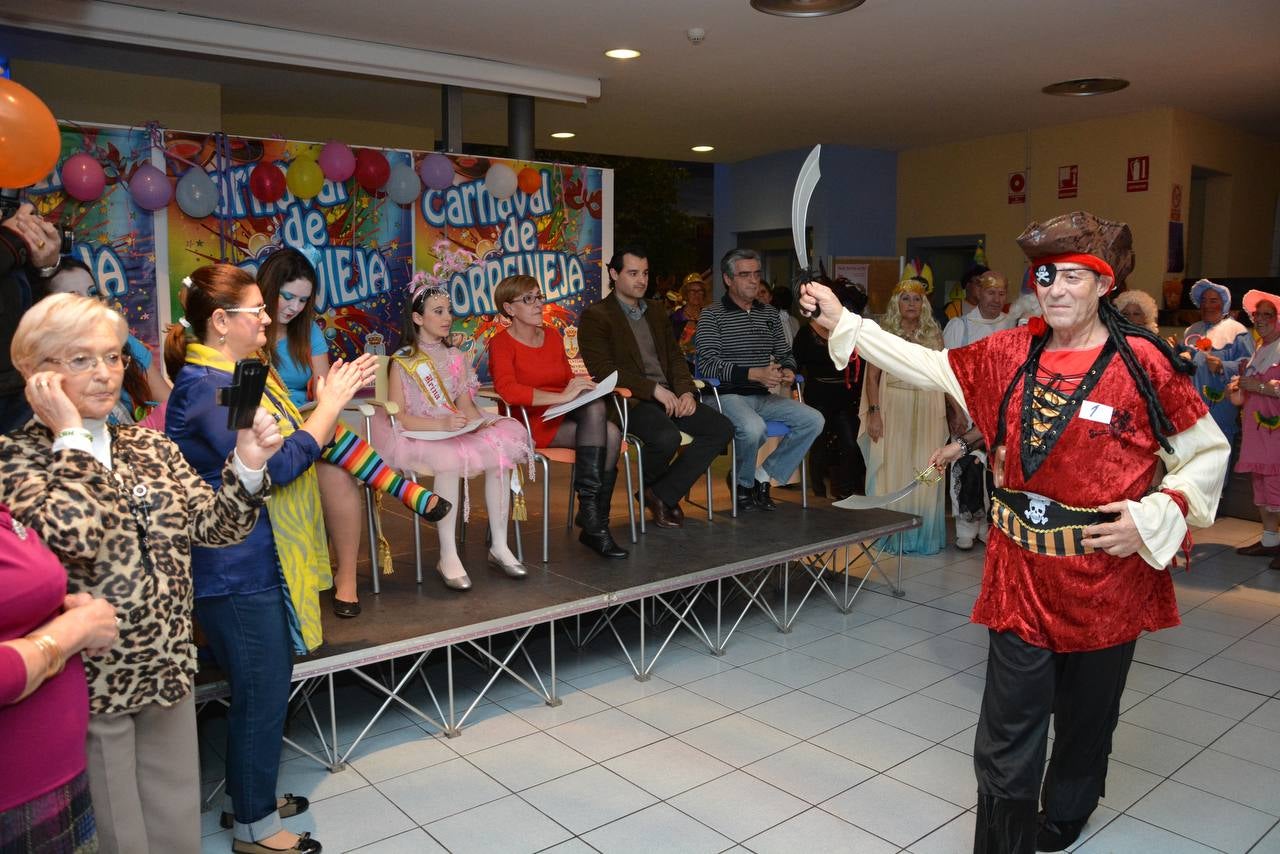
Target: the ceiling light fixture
pixel 805 8
pixel 1086 86
pixel 622 53
pixel 703 149
pixel 563 134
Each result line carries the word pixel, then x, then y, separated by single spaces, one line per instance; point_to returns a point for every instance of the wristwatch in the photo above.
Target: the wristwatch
pixel 965 447
pixel 49 272
pixel 872 409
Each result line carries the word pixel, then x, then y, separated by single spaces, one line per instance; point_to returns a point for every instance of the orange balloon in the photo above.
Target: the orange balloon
pixel 529 180
pixel 29 138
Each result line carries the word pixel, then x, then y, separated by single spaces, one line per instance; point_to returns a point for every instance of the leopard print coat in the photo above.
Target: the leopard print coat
pixel 82 512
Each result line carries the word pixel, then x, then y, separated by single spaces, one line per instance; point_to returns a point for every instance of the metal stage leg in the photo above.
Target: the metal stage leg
pixel 642 663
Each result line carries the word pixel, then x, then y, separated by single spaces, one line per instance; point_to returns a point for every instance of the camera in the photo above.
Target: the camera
pixel 11 200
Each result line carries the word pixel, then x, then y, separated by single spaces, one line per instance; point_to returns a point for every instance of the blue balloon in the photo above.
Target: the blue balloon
pixel 196 194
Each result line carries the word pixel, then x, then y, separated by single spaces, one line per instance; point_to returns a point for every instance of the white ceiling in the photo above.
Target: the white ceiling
pixel 892 74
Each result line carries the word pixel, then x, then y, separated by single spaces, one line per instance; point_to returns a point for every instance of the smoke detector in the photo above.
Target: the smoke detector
pixel 696 35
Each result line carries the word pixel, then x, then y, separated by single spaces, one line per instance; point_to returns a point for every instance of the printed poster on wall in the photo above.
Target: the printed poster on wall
pixel 114 237
pixel 468 241
pixel 363 242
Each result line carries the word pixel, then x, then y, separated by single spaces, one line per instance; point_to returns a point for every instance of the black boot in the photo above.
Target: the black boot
pixel 1004 826
pixel 594 486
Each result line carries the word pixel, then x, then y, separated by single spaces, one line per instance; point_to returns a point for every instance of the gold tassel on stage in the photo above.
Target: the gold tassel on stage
pixel 385 563
pixel 519 510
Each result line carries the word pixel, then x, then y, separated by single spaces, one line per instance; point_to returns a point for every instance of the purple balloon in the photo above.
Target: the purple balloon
pixel 336 161
pixel 436 171
pixel 150 188
pixel 83 178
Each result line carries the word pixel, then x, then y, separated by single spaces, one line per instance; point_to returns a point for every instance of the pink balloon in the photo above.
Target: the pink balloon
pixel 83 178
pixel 336 161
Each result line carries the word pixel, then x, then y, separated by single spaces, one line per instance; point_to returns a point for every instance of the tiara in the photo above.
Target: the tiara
pixel 424 285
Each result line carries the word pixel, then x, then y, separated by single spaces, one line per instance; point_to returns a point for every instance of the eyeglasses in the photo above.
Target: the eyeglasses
pixel 258 310
pixel 83 362
pixel 532 299
pixel 747 274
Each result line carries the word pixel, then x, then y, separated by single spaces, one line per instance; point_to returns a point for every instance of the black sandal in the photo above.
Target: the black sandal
pixel 304 845
pixel 345 609
pixel 293 804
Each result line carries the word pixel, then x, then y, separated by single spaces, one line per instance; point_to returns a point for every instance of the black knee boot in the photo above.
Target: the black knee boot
pixel 594 486
pixel 1004 826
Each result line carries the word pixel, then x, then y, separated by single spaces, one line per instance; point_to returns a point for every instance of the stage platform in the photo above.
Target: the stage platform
pixel 703 579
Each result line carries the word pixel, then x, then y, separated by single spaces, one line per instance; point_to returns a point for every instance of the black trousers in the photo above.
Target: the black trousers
pixel 835 454
pixel 670 479
pixel 1025 684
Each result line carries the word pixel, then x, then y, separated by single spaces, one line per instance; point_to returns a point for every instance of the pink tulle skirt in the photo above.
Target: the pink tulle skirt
pixel 501 444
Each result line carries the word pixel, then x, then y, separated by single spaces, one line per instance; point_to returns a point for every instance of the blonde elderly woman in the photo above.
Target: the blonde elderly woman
pixel 902 424
pixel 121 509
pixel 1138 308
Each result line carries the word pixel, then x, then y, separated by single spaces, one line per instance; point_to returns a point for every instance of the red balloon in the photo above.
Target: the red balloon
pixel 372 169
pixel 266 182
pixel 529 180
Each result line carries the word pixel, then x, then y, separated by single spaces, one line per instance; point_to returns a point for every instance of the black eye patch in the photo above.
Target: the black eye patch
pixel 1044 274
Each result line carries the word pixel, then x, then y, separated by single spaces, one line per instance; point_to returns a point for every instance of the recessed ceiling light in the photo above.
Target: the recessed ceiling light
pixel 563 134
pixel 622 53
pixel 805 8
pixel 703 149
pixel 1086 86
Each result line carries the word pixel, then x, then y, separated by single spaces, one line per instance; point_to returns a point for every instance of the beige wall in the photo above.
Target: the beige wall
pixel 349 130
pixel 1243 200
pixel 117 98
pixel 960 188
pixel 109 97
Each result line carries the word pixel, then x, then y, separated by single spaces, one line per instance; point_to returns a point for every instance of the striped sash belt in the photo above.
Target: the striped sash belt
pixel 1042 525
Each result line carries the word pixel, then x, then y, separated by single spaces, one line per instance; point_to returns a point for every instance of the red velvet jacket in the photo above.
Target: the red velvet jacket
pixel 1091 601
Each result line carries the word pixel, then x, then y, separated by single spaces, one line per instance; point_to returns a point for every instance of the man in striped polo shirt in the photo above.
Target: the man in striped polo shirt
pixel 740 342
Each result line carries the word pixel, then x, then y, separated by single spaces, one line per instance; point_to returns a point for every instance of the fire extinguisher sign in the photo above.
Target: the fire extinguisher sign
pixel 1138 178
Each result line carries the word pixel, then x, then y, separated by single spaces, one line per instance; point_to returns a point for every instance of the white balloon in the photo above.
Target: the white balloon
pixel 501 181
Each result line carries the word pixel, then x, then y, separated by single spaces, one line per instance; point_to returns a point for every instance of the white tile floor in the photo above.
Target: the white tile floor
pixel 851 733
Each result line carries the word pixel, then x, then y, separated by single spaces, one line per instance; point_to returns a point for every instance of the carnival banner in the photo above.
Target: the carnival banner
pixel 363 240
pixel 472 230
pixel 113 236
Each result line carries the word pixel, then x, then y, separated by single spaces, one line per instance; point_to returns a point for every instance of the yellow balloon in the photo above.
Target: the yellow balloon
pixel 304 178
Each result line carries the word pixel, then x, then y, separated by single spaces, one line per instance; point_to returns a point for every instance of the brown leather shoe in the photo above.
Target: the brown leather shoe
pixel 677 512
pixel 1259 550
pixel 662 516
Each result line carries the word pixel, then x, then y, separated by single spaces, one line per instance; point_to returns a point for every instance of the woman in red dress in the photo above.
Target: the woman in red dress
pixel 530 369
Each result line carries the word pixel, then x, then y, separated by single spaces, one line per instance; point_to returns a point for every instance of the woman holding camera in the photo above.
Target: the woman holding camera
pixel 257 602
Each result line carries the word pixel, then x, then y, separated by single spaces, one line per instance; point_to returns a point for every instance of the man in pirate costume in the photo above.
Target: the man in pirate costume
pixel 1080 407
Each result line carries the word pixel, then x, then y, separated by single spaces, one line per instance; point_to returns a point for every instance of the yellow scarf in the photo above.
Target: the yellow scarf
pixel 294 508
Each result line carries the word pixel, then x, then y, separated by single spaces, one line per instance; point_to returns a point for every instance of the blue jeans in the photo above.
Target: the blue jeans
pixel 749 412
pixel 249 636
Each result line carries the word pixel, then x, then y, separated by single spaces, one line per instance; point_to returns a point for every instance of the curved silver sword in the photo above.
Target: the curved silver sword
pixel 805 182
pixel 929 476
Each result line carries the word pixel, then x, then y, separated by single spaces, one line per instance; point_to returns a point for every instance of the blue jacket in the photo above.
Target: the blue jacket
pixel 198 425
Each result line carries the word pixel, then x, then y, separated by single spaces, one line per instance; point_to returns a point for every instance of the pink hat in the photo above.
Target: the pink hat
pixel 1252 298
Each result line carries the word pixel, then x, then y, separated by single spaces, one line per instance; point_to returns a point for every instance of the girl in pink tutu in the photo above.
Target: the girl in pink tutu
pixel 434 386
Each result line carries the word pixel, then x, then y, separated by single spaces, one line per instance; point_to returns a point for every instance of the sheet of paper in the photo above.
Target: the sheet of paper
pixel 605 386
pixel 433 435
